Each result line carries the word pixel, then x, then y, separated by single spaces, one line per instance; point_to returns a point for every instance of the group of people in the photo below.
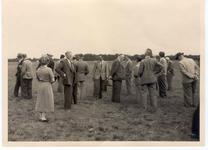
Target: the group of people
pixel 151 73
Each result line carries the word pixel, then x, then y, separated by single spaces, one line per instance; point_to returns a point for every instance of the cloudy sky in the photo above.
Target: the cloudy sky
pixel 37 27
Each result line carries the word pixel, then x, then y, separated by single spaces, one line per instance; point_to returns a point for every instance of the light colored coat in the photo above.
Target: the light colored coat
pixel 27 72
pixel 98 72
pixel 188 68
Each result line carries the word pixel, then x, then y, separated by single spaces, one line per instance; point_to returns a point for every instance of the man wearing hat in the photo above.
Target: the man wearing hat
pixel 27 76
pixel 190 76
pixel 50 64
pixel 82 69
pixel 60 79
pixel 162 77
pixel 18 75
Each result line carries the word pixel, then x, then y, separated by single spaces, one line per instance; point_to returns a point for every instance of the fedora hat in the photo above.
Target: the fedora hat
pixel 19 55
pixel 178 54
pixel 49 55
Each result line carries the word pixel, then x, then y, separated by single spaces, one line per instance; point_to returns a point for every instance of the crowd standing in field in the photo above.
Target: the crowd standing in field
pixel 150 74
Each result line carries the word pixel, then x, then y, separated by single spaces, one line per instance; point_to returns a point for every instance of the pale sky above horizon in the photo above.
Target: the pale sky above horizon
pixel 38 27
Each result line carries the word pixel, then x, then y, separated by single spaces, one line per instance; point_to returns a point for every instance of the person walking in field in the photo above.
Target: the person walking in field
pixel 117 74
pixel 99 76
pixel 137 79
pixel 128 70
pixel 60 79
pixel 45 98
pixel 162 77
pixel 190 76
pixel 170 73
pixel 18 75
pixel 148 78
pixel 82 69
pixel 66 70
pixel 27 77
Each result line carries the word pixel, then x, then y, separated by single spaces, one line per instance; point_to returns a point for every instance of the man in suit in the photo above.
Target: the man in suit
pixel 99 76
pixel 27 76
pixel 50 64
pixel 66 70
pixel 190 76
pixel 60 79
pixel 18 75
pixel 82 69
pixel 148 78
pixel 170 73
pixel 117 75
pixel 128 70
pixel 162 77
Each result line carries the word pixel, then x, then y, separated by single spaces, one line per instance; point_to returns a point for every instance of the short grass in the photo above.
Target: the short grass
pixel 100 120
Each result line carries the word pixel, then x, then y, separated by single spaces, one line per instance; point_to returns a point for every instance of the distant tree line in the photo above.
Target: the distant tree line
pixel 110 57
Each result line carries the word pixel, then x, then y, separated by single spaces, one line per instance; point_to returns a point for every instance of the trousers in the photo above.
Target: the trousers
pixel 162 85
pixel 17 86
pixel 60 84
pixel 152 92
pixel 190 96
pixel 26 88
pixel 128 86
pixel 70 94
pixel 98 84
pixel 116 91
pixel 169 81
pixel 81 89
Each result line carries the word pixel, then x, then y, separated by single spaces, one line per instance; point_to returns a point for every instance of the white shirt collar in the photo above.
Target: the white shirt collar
pixel 147 56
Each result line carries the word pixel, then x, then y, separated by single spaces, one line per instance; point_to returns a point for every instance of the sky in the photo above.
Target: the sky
pixel 39 27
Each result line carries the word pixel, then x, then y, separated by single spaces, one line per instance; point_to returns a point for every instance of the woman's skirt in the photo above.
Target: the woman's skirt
pixel 45 99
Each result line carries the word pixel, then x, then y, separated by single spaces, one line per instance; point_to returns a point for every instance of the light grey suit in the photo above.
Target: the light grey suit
pixel 99 75
pixel 128 71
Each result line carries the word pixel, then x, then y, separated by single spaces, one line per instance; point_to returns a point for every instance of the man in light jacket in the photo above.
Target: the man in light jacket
pixel 27 77
pixel 99 76
pixel 190 76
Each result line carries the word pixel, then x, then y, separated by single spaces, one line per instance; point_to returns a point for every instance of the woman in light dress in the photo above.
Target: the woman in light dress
pixel 45 98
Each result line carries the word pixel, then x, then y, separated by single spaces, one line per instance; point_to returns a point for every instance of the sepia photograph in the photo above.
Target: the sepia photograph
pixel 103 73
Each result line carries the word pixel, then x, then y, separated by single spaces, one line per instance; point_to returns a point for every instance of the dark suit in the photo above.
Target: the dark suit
pixel 69 81
pixel 148 80
pixel 50 65
pixel 18 78
pixel 118 74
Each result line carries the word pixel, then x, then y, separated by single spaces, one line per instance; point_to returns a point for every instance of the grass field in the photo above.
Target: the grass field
pixel 99 120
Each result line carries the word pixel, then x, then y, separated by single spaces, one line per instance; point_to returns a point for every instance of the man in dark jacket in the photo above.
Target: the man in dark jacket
pixel 117 74
pixel 67 71
pixel 148 78
pixel 50 64
pixel 18 75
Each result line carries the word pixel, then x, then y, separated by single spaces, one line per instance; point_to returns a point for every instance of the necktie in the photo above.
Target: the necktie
pixel 101 64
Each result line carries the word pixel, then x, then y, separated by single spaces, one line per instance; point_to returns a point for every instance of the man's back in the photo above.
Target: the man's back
pixel 27 69
pixel 82 70
pixel 147 70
